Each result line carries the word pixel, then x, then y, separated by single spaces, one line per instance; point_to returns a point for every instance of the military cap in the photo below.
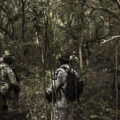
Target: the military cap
pixel 65 57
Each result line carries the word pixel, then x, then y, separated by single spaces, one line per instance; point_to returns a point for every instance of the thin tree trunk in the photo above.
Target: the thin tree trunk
pixel 45 50
pixel 23 19
pixel 80 53
pixel 42 55
pixel 116 80
pixel 45 55
pixel 87 61
pixel 37 38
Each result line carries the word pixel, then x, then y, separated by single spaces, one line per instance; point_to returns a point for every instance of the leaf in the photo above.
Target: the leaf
pixel 94 116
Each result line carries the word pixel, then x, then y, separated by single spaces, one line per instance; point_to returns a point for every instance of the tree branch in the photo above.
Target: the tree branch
pixel 6 31
pixel 105 10
pixel 111 38
pixel 3 9
pixel 109 12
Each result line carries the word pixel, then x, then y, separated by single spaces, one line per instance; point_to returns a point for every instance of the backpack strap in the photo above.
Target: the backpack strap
pixel 65 68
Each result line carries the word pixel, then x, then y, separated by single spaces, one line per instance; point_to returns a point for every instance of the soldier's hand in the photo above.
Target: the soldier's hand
pixel 5 89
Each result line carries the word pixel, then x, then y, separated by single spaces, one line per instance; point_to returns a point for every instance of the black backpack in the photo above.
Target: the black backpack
pixel 73 86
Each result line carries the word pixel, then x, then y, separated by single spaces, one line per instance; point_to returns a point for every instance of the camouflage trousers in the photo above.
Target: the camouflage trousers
pixel 73 112
pixel 7 106
pixel 3 108
pixel 1 102
pixel 62 113
pixel 11 100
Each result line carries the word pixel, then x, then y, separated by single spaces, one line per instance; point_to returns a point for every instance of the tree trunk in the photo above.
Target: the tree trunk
pixel 37 38
pixel 116 80
pixel 80 53
pixel 23 19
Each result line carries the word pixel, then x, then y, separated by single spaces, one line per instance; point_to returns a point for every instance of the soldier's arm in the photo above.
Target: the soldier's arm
pixel 57 82
pixel 12 79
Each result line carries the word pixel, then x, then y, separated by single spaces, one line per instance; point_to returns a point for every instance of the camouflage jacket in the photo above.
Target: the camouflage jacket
pixel 60 78
pixel 7 78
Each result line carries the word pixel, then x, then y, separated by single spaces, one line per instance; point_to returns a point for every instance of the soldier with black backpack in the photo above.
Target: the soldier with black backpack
pixel 65 89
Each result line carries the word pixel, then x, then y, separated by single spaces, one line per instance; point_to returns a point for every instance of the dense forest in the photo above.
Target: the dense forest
pixel 37 32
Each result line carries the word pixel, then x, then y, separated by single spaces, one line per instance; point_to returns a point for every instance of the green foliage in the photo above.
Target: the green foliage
pixel 51 28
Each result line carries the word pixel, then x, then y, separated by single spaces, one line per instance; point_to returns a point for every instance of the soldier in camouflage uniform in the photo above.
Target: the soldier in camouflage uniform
pixel 74 61
pixel 62 109
pixel 8 85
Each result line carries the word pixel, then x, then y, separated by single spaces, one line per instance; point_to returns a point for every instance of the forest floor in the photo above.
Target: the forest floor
pixel 97 100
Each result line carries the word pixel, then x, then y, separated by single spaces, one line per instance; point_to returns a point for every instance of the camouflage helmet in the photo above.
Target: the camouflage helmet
pixel 65 57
